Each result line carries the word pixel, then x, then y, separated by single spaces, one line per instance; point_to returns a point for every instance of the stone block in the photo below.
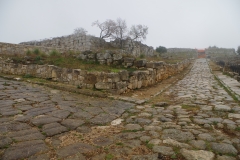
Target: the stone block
pixel 120 85
pixel 124 75
pixel 140 63
pixel 117 56
pixel 103 85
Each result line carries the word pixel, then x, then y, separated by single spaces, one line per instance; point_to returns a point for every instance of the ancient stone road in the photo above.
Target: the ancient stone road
pixel 203 122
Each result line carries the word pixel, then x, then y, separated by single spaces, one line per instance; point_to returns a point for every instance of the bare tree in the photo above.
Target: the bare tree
pixel 80 31
pixel 138 32
pixel 120 32
pixel 107 28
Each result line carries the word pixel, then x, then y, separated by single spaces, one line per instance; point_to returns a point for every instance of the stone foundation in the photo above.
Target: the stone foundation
pixel 123 81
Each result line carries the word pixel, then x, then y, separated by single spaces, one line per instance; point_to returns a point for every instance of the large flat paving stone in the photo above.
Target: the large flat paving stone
pixel 177 135
pixel 74 149
pixel 102 118
pixel 62 114
pixel 26 135
pixel 72 123
pixel 44 119
pixel 15 126
pixel 24 150
pixel 53 129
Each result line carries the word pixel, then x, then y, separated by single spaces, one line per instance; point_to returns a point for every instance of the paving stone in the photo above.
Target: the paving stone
pixel 74 149
pixel 199 144
pixel 72 123
pixel 197 155
pixel 175 143
pixel 168 151
pixel 84 129
pixel 145 138
pixel 44 119
pixel 233 115
pixel 9 127
pixel 94 110
pixel 82 115
pixel 39 111
pixel 40 157
pixel 26 135
pixel 24 150
pixel 132 143
pixel 133 127
pixel 201 121
pixel 155 141
pixel 223 148
pixel 53 129
pixel 145 157
pixel 177 135
pixel 5 141
pixel 222 108
pixel 62 114
pixel 102 118
pixel 206 137
pixel 223 157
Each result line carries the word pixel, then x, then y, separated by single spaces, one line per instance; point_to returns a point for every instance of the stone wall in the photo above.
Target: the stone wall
pixel 87 42
pixel 9 48
pixel 70 42
pixel 181 50
pixel 220 51
pixel 123 81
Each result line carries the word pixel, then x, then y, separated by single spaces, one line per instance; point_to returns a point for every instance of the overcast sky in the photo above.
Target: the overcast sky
pixel 171 23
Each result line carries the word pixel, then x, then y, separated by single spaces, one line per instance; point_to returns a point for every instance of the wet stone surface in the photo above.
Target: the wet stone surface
pixel 201 121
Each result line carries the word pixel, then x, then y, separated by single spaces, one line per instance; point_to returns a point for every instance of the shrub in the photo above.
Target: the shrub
pixel 36 51
pixel 161 49
pixel 54 53
pixel 28 53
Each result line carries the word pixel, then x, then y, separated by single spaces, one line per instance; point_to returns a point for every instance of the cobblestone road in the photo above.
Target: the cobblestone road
pixel 203 122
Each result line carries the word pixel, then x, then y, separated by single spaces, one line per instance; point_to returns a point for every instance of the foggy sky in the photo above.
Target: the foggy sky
pixel 171 23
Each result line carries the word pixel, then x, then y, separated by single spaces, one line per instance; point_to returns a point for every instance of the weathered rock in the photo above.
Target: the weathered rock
pixel 74 149
pixel 197 155
pixel 24 149
pixel 133 127
pixel 168 151
pixel 199 144
pixel 72 123
pixel 206 137
pixel 177 135
pixel 176 143
pixel 223 148
pixel 222 108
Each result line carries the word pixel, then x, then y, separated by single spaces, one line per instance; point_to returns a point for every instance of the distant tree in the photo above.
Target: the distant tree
pixel 80 31
pixel 107 28
pixel 120 32
pixel 138 32
pixel 161 49
pixel 238 50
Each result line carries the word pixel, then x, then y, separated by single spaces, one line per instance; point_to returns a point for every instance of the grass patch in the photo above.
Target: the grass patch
pixel 119 144
pixel 28 76
pixel 109 157
pixel 149 145
pixel 190 108
pixel 237 129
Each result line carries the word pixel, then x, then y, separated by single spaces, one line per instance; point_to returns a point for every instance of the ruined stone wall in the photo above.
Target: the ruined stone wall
pixel 220 51
pixel 181 50
pixel 123 81
pixel 9 48
pixel 70 42
pixel 87 42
